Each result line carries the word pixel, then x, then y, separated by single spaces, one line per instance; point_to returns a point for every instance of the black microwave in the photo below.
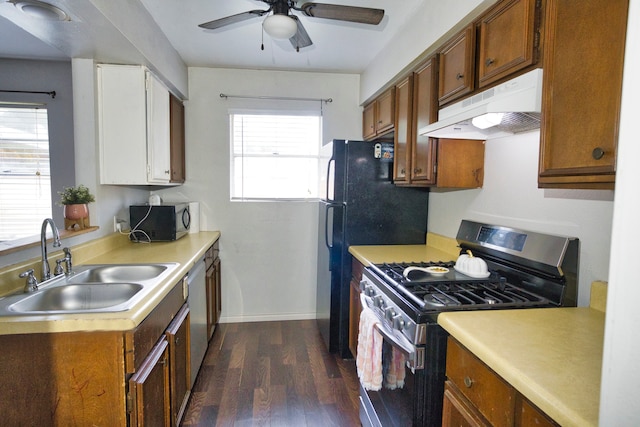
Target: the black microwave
pixel 159 223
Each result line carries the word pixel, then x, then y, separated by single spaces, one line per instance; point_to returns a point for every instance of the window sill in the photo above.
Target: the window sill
pixel 34 241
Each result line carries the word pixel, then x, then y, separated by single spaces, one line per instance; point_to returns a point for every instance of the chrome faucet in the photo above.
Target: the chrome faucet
pixel 46 271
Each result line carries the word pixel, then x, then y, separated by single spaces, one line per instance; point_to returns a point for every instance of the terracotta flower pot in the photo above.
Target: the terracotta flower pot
pixel 76 214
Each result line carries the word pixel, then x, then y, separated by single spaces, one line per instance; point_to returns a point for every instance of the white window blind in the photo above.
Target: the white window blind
pixel 275 156
pixel 25 177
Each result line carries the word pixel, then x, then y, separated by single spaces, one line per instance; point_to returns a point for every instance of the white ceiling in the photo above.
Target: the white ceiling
pixel 337 46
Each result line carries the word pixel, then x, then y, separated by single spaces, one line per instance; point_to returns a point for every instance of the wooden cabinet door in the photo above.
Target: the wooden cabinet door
pixel 178 338
pixel 176 112
pixel 385 113
pixel 507 40
pixel 149 389
pixel 211 301
pixel 582 87
pixel 213 289
pixel 460 163
pixel 425 112
pixel 369 121
pixel 457 66
pixel 403 131
pixel 218 286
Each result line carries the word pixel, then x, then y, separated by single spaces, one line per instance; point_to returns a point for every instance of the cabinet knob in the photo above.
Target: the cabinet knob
pixel 402 171
pixel 468 382
pixel 177 340
pixel 417 170
pixel 166 172
pixel 459 76
pixel 597 153
pixel 489 62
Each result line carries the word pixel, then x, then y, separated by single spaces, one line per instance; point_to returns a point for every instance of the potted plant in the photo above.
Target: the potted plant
pixel 75 202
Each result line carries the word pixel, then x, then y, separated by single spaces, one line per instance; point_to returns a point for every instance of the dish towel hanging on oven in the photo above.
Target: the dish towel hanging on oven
pixel 369 359
pixel 393 367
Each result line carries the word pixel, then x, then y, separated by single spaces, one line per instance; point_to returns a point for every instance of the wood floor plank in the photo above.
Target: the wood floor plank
pixel 273 374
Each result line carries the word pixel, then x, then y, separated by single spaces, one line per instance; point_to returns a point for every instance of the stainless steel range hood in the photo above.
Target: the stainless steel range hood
pixel 519 99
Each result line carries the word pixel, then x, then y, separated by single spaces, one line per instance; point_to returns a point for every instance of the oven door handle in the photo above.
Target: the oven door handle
pixel 414 355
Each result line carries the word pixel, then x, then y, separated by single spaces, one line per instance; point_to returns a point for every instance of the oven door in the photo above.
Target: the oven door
pixel 387 407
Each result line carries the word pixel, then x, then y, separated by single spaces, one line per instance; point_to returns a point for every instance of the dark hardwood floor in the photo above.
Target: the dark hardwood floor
pixel 273 374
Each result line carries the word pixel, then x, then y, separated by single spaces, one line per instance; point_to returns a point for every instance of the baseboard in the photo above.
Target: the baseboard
pixel 267 317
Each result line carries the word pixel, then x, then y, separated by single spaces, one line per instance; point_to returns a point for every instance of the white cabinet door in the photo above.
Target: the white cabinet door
pixel 158 142
pixel 122 123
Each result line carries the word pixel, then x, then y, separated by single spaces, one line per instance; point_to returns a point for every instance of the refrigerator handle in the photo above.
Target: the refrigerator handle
pixel 326 223
pixel 331 160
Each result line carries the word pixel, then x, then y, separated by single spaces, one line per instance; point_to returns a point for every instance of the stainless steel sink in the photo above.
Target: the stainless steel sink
pixel 100 288
pixel 118 273
pixel 78 297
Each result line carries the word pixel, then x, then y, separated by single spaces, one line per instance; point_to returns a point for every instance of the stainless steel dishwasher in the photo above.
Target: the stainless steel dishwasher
pixel 196 280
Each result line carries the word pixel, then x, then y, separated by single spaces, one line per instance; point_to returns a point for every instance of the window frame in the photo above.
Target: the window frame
pixel 315 157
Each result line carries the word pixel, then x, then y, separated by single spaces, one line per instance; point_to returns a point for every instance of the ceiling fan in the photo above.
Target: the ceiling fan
pixel 284 25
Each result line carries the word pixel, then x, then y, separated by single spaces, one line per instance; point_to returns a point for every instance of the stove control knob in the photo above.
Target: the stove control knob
pixel 379 302
pixel 398 323
pixel 389 313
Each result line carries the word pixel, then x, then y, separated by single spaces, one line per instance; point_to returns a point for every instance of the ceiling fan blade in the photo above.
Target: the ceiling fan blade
pixel 363 15
pixel 300 38
pixel 222 22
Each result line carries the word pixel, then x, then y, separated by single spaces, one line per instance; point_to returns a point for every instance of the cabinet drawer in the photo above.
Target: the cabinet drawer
pixel 493 397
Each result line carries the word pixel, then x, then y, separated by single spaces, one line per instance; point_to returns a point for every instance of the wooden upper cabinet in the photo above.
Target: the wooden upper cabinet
pixel 369 121
pixel 425 112
pixel 403 134
pixel 378 117
pixel 176 141
pixel 457 66
pixel 583 62
pixel 460 163
pixel 508 40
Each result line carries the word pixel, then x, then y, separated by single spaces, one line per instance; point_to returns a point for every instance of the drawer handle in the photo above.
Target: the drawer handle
pixel 459 76
pixel 597 153
pixel 417 170
pixel 468 382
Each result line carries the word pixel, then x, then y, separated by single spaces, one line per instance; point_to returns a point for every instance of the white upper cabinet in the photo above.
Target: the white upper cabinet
pixel 134 126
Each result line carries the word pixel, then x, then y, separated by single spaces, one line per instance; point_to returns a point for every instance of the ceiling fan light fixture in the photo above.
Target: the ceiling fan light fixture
pixel 281 27
pixel 41 10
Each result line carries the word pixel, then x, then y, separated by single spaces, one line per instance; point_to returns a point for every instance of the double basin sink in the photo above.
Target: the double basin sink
pixel 100 288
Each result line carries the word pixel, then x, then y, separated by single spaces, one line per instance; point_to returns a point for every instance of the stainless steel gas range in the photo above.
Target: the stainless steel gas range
pixel 522 269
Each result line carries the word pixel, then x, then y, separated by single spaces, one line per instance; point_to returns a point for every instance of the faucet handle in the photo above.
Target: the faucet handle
pixel 32 282
pixel 67 261
pixel 58 270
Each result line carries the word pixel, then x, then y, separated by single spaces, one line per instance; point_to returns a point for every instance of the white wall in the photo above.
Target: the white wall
pixel 510 196
pixel 268 250
pixel 620 368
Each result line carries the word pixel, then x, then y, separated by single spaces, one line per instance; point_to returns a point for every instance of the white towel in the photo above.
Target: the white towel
pixel 369 359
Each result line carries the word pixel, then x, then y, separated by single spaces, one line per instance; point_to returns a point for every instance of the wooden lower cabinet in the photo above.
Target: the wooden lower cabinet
pixel 476 396
pixel 149 393
pixel 214 288
pixel 354 305
pixel 107 378
pixel 179 340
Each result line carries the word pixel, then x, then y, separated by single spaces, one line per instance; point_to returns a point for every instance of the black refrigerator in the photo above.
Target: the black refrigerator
pixel 359 205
